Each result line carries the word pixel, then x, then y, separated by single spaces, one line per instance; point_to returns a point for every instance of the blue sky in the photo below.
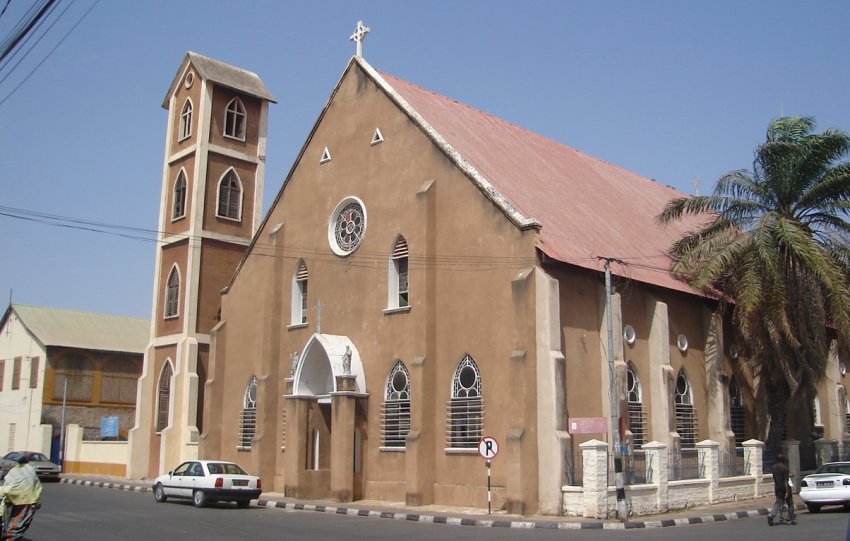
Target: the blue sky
pixel 672 90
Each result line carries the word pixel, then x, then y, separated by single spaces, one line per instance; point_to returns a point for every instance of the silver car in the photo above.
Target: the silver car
pixel 46 470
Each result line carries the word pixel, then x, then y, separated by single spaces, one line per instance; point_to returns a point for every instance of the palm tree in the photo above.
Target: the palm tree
pixel 775 244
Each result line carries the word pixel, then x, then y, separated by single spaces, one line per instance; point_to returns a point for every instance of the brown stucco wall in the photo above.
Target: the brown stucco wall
pixel 217 166
pixel 464 254
pixel 172 254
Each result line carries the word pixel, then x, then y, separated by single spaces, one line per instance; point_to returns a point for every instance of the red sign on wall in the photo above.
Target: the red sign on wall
pixel 587 425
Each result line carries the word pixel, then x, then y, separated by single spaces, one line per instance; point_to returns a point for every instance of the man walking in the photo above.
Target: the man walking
pixel 782 491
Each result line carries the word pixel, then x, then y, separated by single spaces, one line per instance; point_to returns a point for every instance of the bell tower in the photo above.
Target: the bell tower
pixel 210 207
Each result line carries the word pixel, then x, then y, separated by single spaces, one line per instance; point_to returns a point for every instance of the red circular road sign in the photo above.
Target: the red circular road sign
pixel 488 447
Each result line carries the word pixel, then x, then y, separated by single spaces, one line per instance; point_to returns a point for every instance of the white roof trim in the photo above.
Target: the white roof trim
pixel 483 184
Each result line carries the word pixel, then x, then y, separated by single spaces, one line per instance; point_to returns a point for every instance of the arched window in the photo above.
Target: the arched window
pixel 637 418
pixel 186 120
pixel 172 293
pixel 234 120
pixel 248 418
pixel 179 209
pixel 118 383
pixel 686 417
pixel 229 196
pixel 163 402
pixel 78 370
pixel 397 294
pixel 465 410
pixel 736 413
pixel 396 409
pixel 299 294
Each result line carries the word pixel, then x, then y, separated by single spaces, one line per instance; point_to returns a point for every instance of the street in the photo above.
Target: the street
pixel 74 512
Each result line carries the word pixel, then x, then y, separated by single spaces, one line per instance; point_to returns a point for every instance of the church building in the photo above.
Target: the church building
pixel 428 275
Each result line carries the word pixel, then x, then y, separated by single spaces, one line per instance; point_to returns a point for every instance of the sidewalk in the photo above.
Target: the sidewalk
pixel 468 516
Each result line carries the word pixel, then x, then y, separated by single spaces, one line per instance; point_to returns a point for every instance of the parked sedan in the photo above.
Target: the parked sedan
pixel 829 485
pixel 207 481
pixel 45 469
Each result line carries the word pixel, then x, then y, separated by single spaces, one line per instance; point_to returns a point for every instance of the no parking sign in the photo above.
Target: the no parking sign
pixel 488 447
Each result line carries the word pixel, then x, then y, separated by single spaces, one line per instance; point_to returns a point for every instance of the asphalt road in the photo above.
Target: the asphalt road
pixel 74 512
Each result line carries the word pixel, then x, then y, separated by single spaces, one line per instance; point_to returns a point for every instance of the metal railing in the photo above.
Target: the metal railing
pixel 733 463
pixel 685 464
pixel 573 469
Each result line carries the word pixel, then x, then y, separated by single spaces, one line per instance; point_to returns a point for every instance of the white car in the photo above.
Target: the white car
pixel 829 485
pixel 208 481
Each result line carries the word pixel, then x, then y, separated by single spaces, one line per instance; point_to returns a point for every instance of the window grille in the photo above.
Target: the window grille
pixel 686 417
pixel 395 413
pixel 118 383
pixel 846 414
pixel 234 122
pixel 248 418
pixel 229 195
pixel 179 209
pixel 79 372
pixel 164 397
pixel 637 419
pixel 300 294
pixel 400 268
pixel 736 413
pixel 186 120
pixel 465 410
pixel 172 293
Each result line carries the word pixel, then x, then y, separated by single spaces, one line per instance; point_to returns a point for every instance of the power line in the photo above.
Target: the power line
pixel 50 52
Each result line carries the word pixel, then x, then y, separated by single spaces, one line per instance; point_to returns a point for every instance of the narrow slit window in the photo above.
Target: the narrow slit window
pixel 172 293
pixel 299 294
pixel 186 120
pixel 398 295
pixel 179 209
pixel 163 397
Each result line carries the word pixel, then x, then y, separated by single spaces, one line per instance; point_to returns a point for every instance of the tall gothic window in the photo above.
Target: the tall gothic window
pixel 234 120
pixel 186 120
pixel 686 417
pixel 248 418
pixel 229 196
pixel 736 413
pixel 179 209
pixel 299 294
pixel 172 293
pixel 637 418
pixel 397 296
pixel 163 402
pixel 465 410
pixel 395 416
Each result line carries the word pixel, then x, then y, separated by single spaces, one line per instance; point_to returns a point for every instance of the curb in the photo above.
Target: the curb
pixel 522 524
pixel 101 484
pixel 460 521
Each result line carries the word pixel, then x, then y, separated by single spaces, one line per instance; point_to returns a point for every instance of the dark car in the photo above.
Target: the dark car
pixel 45 469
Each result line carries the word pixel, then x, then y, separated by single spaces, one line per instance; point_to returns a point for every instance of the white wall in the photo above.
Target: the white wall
pixel 21 407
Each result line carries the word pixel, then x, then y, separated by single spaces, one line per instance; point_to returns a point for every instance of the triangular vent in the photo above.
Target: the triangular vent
pixel 378 137
pixel 326 156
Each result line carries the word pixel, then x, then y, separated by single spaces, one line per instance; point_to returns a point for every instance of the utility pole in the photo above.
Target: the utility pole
pixel 62 430
pixel 612 393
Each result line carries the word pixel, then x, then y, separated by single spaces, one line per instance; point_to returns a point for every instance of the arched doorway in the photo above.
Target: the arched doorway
pixel 328 383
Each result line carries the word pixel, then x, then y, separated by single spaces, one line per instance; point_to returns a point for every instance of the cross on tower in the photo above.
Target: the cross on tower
pixel 358 36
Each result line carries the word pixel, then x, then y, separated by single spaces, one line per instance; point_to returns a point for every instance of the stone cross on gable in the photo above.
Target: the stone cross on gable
pixel 358 36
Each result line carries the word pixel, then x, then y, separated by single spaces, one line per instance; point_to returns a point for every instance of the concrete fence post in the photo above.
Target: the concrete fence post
pixel 825 451
pixel 709 462
pixel 791 449
pixel 754 464
pixel 595 478
pixel 656 472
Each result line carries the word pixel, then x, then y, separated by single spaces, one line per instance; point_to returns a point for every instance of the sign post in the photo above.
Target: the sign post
pixel 488 448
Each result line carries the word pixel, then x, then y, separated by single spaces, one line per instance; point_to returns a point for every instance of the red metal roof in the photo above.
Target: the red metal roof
pixel 588 208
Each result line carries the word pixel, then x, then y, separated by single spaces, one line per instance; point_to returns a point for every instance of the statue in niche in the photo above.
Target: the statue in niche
pixel 346 361
pixel 293 358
